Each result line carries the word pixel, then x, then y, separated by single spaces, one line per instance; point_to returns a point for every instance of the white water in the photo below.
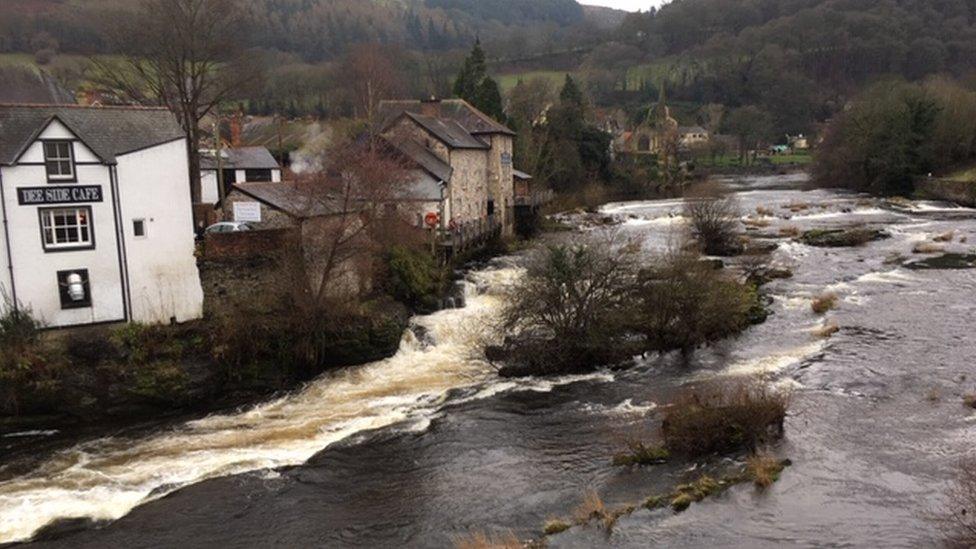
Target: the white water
pixel 105 479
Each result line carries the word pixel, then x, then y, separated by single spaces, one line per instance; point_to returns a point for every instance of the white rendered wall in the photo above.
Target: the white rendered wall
pixel 164 282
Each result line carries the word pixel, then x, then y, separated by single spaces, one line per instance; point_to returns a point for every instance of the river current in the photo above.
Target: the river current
pixel 430 445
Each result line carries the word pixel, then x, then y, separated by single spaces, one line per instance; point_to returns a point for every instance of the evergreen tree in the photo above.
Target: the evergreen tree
pixel 475 86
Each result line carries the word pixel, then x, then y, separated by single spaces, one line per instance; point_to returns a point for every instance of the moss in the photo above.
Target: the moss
pixel 841 238
pixel 641 454
pixel 656 502
pixel 555 526
pixel 681 502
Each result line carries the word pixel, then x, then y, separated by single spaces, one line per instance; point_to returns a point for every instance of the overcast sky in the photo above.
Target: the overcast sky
pixel 629 5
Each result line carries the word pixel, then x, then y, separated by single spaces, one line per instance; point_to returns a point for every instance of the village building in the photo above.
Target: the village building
pixel 235 165
pixel 465 175
pixel 96 212
pixel 658 134
pixel 690 137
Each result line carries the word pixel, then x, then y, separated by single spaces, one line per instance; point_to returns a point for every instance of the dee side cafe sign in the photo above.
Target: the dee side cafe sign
pixel 75 194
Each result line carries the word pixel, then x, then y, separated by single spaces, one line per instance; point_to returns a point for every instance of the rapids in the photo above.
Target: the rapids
pixel 429 444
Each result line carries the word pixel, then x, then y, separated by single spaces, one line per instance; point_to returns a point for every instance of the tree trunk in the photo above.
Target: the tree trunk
pixel 193 148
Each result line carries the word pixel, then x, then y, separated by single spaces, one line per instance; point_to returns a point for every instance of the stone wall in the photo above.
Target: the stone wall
pixel 469 185
pixel 960 192
pixel 227 246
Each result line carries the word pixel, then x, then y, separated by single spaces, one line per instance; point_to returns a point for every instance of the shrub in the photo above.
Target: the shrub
pixel 572 309
pixel 591 508
pixel 19 328
pixel 958 519
pixel 89 347
pixel 714 219
pixel 162 381
pixel 826 301
pixel 414 278
pixel 722 419
pixel 684 303
pixel 44 56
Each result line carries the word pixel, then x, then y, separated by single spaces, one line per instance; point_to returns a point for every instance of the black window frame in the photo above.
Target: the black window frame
pixel 259 175
pixel 145 228
pixel 71 159
pixel 58 249
pixel 66 302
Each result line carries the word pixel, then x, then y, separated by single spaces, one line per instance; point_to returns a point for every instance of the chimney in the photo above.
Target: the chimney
pixel 430 106
pixel 235 129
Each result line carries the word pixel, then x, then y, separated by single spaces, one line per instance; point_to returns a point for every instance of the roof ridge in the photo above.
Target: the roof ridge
pixel 82 107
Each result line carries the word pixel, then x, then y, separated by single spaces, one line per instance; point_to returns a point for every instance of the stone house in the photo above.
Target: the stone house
pixel 465 160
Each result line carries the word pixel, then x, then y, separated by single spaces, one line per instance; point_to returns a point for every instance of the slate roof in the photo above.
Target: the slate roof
pixel 424 158
pixel 108 131
pixel 691 129
pixel 241 158
pixel 458 110
pixel 448 131
pixel 292 199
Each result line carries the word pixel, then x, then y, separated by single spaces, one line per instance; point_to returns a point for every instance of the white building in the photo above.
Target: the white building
pixel 96 212
pixel 239 165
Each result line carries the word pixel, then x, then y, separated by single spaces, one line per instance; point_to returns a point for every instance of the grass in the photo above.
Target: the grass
pixel 481 540
pixel 964 175
pixel 639 453
pixel 720 419
pixel 824 302
pixel 790 232
pixel 764 212
pixel 555 526
pixel 764 469
pixel 592 508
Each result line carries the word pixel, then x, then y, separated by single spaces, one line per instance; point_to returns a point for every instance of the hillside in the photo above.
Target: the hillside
pixel 316 30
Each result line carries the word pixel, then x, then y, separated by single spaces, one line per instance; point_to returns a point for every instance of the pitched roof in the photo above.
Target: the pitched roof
pixel 691 129
pixel 424 158
pixel 108 131
pixel 448 131
pixel 242 158
pixel 292 199
pixel 458 110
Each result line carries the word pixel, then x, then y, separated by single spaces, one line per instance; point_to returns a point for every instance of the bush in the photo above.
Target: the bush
pixel 414 278
pixel 714 219
pixel 722 419
pixel 572 309
pixel 685 303
pixel 89 347
pixel 29 369
pixel 958 519
pixel 44 56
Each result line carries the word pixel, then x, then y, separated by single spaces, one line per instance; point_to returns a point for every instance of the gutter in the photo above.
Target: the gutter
pixel 6 236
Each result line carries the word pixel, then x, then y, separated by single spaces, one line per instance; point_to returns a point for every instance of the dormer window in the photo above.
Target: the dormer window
pixel 59 161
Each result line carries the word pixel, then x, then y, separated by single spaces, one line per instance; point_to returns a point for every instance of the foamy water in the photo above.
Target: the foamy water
pixel 105 479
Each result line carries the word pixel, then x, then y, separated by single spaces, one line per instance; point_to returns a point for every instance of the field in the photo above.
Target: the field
pixel 509 81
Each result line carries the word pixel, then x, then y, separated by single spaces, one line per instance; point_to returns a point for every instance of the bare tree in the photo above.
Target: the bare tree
pixel 371 76
pixel 182 54
pixel 714 218
pixel 348 207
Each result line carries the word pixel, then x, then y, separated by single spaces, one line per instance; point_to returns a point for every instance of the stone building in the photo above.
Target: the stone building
pixel 466 155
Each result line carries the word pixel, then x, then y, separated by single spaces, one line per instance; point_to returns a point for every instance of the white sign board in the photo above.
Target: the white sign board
pixel 247 211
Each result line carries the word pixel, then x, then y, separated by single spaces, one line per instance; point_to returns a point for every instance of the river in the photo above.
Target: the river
pixel 430 445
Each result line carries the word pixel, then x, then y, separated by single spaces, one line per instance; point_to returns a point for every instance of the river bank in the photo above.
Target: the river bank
pixel 430 445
